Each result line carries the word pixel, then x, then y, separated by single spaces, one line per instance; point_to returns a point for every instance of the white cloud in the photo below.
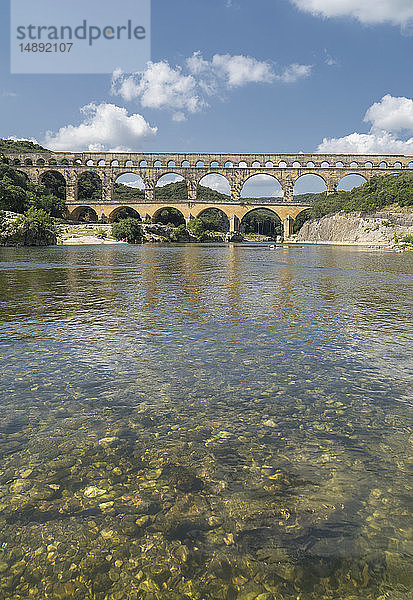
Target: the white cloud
pixel 391 114
pixel 216 182
pixel 388 117
pixel 104 127
pixel 396 12
pixel 294 72
pixel 167 179
pixel 160 86
pixel 9 95
pixel 20 139
pixel 186 90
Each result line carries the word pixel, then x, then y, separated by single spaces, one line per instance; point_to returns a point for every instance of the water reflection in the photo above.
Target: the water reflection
pixel 205 422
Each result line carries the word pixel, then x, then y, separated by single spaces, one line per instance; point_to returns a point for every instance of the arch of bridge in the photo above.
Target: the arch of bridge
pixel 73 165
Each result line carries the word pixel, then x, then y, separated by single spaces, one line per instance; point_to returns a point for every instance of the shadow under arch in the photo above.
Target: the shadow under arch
pixel 262 220
pixel 54 182
pixel 214 219
pixel 168 214
pixel 84 214
pixel 123 212
pixel 89 186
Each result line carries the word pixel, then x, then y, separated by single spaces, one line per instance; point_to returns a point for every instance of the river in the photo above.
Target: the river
pixel 206 422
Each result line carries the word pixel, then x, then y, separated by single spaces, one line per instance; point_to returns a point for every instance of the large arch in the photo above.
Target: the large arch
pixel 54 183
pixel 85 214
pixel 128 186
pixel 89 186
pixel 261 185
pixel 168 215
pixel 123 212
pixel 171 185
pixel 351 181
pixel 216 182
pixel 214 219
pixel 310 183
pixel 262 221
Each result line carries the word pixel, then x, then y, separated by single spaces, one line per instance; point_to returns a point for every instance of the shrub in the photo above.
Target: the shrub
pixel 197 227
pixel 128 229
pixel 101 234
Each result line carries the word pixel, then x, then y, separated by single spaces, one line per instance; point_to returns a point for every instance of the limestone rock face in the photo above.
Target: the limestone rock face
pixel 357 228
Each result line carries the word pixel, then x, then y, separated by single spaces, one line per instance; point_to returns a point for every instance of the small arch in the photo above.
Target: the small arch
pixel 65 162
pixel 269 164
pixel 310 183
pixel 123 212
pixel 354 165
pixel 261 186
pixel 368 165
pixel 54 183
pixel 351 181
pixel 171 185
pixel 256 164
pixel 114 163
pixel 310 165
pixel 325 165
pixel 28 162
pixel 77 162
pixel 40 162
pixel 157 164
pixel 16 162
pixel 242 165
pixel 90 163
pixel 102 163
pixel 213 186
pixel 383 165
pixel 84 214
pixel 282 164
pixel 185 164
pixel 214 219
pixel 229 164
pixel 296 165
pixel 169 214
pixel 261 221
pixel 411 165
pixel 89 186
pixel 397 165
pixel 200 163
pixel 127 187
pixel 128 164
pixel 171 163
pixel 339 165
pixel 214 164
pixel 143 163
pixel 52 162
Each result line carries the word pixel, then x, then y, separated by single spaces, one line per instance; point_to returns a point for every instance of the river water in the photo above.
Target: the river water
pixel 206 422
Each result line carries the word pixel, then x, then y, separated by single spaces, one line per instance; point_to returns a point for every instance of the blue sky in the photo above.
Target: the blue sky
pixel 287 74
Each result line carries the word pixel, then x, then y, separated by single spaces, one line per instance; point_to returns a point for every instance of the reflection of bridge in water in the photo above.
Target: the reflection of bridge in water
pixel 287 169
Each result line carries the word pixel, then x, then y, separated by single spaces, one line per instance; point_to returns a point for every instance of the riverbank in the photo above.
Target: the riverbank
pixel 380 229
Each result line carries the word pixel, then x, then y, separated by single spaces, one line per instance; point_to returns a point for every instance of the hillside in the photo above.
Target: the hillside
pixel 8 146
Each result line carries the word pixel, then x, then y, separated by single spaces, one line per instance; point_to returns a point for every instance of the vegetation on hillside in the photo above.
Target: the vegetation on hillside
pixel 378 192
pixel 18 194
pixel 17 146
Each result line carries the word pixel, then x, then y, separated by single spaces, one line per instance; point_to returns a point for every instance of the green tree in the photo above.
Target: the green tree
pixel 128 229
pixel 197 227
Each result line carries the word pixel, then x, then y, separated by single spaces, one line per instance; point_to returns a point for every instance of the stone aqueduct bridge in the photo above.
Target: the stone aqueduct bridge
pixel 237 168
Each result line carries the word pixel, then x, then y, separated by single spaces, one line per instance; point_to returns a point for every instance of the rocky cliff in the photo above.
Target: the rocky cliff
pixel 357 228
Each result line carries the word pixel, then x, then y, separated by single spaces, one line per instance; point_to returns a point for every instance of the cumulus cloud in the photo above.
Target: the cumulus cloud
pixel 104 127
pixel 216 182
pixel 396 12
pixel 388 117
pixel 186 89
